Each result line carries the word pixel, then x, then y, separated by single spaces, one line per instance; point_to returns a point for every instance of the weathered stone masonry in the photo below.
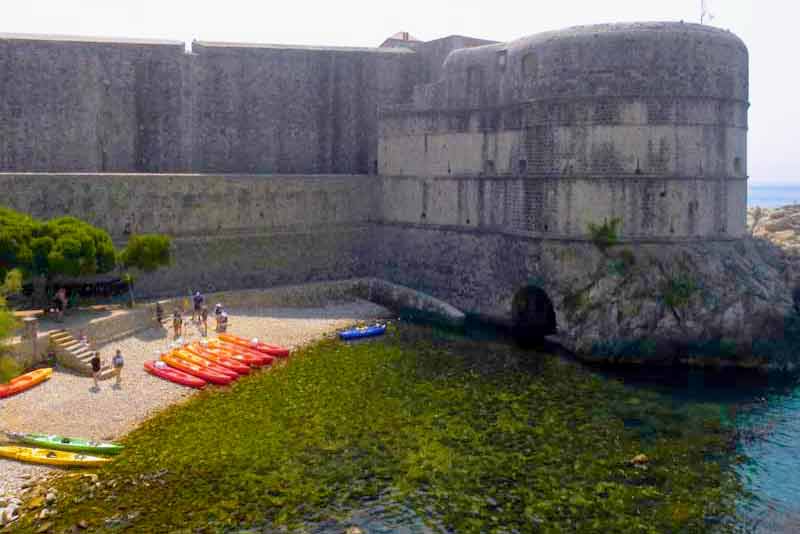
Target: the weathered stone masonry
pixel 492 158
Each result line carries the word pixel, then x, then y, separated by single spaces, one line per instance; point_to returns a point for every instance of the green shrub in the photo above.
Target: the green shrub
pixel 607 234
pixel 9 369
pixel 677 291
pixel 64 245
pixel 146 252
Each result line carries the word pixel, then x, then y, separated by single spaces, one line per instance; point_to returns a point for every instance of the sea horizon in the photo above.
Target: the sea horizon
pixel 772 195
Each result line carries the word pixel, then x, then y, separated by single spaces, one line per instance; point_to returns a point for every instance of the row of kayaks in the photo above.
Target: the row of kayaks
pixel 221 351
pixel 219 361
pixel 56 450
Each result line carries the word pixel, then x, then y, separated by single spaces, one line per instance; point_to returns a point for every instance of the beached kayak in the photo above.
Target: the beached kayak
pixel 51 457
pixel 49 441
pixel 363 331
pixel 203 362
pixel 162 370
pixel 244 355
pixel 196 370
pixel 219 357
pixel 24 382
pixel 255 344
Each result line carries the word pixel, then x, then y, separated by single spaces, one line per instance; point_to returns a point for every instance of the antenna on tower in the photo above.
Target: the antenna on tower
pixel 705 11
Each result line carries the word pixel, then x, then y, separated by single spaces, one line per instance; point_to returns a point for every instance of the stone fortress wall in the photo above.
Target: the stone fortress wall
pixel 544 135
pixel 461 167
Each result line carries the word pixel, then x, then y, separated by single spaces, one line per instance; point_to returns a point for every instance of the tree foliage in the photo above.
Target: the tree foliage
pixel 65 245
pixel 146 252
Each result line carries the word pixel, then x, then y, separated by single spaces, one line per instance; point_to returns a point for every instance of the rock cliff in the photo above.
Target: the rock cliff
pixel 714 303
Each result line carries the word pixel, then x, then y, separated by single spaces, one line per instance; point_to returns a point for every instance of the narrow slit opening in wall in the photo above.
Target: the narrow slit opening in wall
pixel 523 167
pixel 489 166
pixel 502 57
pixel 737 165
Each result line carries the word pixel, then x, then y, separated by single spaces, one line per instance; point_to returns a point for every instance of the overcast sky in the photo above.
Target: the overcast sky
pixel 768 27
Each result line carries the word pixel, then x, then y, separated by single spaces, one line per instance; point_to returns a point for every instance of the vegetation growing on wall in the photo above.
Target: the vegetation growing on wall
pixel 605 235
pixel 678 290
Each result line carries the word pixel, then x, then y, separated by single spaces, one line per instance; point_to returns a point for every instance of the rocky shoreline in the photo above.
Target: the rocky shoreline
pixel 709 304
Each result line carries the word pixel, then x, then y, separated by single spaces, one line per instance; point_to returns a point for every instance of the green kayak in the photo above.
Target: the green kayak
pixel 62 443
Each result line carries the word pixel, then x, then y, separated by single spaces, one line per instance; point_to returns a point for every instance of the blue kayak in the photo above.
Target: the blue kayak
pixel 364 331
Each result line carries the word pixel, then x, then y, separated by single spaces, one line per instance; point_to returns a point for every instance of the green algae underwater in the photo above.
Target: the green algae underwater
pixel 471 436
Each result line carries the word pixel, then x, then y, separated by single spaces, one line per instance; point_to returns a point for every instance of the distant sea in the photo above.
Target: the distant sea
pixel 772 195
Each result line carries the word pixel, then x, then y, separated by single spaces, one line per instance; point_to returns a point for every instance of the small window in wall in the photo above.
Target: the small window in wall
pixel 489 167
pixel 474 79
pixel 530 65
pixel 502 57
pixel 523 167
pixel 737 165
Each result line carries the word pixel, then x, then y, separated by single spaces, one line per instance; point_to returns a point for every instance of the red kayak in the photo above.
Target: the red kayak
pixel 197 370
pixel 173 375
pixel 260 346
pixel 244 355
pixel 218 357
pixel 185 355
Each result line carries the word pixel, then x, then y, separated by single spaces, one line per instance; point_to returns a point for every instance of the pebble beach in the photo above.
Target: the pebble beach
pixel 68 404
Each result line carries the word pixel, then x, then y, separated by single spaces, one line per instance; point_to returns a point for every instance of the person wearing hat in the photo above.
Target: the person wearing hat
pixel 222 322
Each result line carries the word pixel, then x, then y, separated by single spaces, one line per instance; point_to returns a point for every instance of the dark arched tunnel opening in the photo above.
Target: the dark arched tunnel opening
pixel 533 316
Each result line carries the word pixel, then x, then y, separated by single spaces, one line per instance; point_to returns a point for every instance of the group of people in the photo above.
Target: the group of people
pixel 117 363
pixel 199 316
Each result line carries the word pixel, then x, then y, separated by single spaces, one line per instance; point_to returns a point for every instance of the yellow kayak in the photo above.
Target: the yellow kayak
pixel 49 457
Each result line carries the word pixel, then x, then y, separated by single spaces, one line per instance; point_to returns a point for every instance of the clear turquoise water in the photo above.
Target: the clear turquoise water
pixel 766 414
pixel 772 195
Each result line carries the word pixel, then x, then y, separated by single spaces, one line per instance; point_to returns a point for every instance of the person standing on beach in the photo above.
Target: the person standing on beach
pixel 118 362
pixel 95 362
pixel 198 305
pixel 61 303
pixel 160 315
pixel 177 323
pixel 204 321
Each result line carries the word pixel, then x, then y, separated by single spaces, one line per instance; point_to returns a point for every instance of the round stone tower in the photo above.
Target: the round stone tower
pixel 645 123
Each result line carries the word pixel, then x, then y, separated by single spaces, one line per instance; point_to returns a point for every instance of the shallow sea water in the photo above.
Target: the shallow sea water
pixel 766 414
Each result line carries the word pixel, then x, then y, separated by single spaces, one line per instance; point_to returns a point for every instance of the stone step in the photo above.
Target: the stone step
pixel 69 347
pixel 60 337
pixel 83 353
pixel 106 372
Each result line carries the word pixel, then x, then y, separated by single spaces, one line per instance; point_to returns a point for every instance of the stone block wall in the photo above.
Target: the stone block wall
pixel 229 231
pixel 93 105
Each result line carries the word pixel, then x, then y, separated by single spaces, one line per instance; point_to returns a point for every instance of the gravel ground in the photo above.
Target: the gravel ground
pixel 68 405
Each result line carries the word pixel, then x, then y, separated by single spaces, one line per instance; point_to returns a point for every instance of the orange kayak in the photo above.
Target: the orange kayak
pixel 203 362
pixel 244 355
pixel 260 346
pixel 197 370
pixel 24 382
pixel 219 357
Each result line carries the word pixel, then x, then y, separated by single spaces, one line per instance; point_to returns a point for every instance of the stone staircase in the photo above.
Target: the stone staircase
pixel 72 354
